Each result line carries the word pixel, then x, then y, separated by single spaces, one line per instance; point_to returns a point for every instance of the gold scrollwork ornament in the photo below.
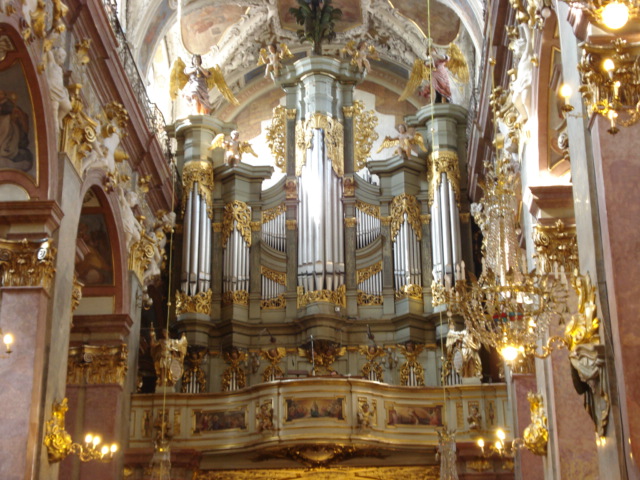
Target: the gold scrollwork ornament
pixel 237 214
pixel 198 172
pixel 401 205
pixel 536 435
pixel 27 263
pixel 276 137
pixel 198 303
pixel 444 161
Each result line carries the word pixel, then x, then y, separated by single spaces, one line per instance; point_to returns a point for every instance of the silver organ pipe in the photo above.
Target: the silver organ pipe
pixel 447 256
pixel 445 228
pixel 321 227
pixel 195 240
pixel 274 232
pixel 372 285
pixel 235 275
pixel 367 228
pixel 406 256
pixel 186 250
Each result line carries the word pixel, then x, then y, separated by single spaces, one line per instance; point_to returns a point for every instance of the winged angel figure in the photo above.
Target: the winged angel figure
pixel 437 67
pixel 234 148
pixel 272 58
pixel 196 81
pixel 404 141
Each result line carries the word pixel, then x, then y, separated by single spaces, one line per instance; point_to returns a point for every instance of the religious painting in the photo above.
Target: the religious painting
pixel 217 420
pixel 17 127
pixel 398 414
pixel 351 14
pixel 304 408
pixel 94 265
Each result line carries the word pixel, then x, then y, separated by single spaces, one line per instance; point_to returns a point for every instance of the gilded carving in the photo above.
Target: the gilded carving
pixel 264 417
pixel 292 224
pixel 556 245
pixel 273 213
pixel 168 358
pixel 256 226
pixel 480 465
pixel 198 303
pixel 425 219
pixel 97 364
pixel 322 354
pixel 275 303
pixel 348 186
pixel 366 299
pixel 193 372
pixel 237 214
pixel 363 274
pixel 279 277
pixel 79 131
pixel 76 292
pixel 372 369
pixel 333 141
pixel 291 113
pixel 463 354
pixel 273 355
pixel 234 377
pixel 411 372
pixel 198 172
pixel 320 456
pixel 459 415
pixel 291 189
pixel 475 417
pixel 337 297
pixel 350 222
pixel 444 162
pixel 141 254
pixel 408 205
pixel 27 263
pixel 57 440
pixel 586 352
pixel 276 137
pixel 409 291
pixel 366 413
pixel 536 435
pixel 216 227
pixel 235 297
pixel 364 134
pixel 372 210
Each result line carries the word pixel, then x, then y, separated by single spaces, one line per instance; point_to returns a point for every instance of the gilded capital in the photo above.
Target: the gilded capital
pixel 97 364
pixel 444 161
pixel 198 303
pixel 27 263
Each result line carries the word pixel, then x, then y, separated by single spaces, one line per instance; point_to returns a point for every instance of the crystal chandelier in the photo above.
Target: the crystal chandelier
pixel 507 307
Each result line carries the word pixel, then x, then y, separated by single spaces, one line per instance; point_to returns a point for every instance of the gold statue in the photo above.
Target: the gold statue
pixel 436 69
pixel 234 148
pixel 411 372
pixel 196 81
pixel 273 355
pixel 57 440
pixel 272 58
pixel 360 54
pixel 372 369
pixel 234 377
pixel 168 357
pixel 404 141
pixel 536 435
pixel 469 349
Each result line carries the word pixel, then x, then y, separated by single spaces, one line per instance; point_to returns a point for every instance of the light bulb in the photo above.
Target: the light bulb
pixel 615 15
pixel 104 450
pixel 608 65
pixel 498 445
pixel 501 435
pixel 88 438
pixel 565 91
pixel 481 443
pixel 114 448
pixel 96 440
pixel 509 353
pixel 8 340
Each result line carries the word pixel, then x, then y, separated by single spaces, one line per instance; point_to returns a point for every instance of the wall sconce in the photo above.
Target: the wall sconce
pixel 565 93
pixel 611 81
pixel 500 447
pixel 7 339
pixel 59 444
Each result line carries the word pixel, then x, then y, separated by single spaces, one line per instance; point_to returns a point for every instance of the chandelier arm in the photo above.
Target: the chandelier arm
pixel 553 343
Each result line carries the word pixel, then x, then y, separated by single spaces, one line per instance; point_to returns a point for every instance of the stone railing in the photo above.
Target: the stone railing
pixel 337 411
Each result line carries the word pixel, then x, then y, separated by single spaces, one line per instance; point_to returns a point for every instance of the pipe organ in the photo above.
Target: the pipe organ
pixel 322 245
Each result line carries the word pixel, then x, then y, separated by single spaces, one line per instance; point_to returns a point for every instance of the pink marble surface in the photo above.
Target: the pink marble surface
pixel 23 313
pixel 530 465
pixel 617 173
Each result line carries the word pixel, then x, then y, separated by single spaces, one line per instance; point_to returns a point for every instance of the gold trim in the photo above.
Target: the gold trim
pixel 292 224
pixel 536 434
pixel 364 134
pixel 256 226
pixel 141 254
pixel 333 141
pixel 555 244
pixel 275 303
pixel 444 161
pixel 409 291
pixel 350 222
pixel 399 206
pixel 237 214
pixel 337 297
pixel 279 277
pixel 366 273
pixel 291 113
pixel 366 300
pixel 216 227
pixel 198 303
pixel 235 297
pixel 371 210
pixel 200 171
pixel 273 213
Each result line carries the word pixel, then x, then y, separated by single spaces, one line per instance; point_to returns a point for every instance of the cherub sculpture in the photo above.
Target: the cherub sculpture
pixel 195 82
pixel 272 58
pixel 168 358
pixel 404 141
pixel 360 54
pixel 234 148
pixel 436 69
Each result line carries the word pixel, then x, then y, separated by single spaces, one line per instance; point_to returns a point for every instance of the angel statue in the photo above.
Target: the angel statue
pixel 436 69
pixel 404 141
pixel 234 148
pixel 360 54
pixel 272 58
pixel 195 82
